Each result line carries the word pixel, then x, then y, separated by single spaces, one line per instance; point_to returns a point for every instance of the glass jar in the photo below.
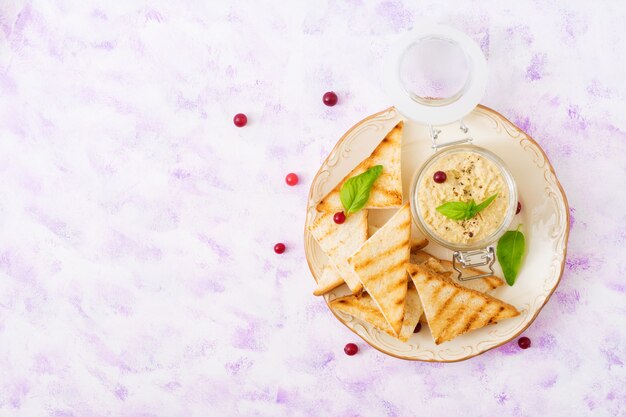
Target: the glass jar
pixel 436 75
pixel 473 173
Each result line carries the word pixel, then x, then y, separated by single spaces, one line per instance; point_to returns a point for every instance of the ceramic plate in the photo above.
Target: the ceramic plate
pixel 544 218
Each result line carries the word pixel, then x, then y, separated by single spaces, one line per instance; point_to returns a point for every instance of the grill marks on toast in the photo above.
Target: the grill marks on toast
pixel 329 280
pixel 325 234
pixel 451 309
pixel 389 251
pixel 473 317
pixel 417 243
pixel 339 242
pixel 493 282
pixel 387 190
pixel 481 284
pixel 443 308
pixel 365 308
pixel 402 245
pixel 391 194
pixel 380 265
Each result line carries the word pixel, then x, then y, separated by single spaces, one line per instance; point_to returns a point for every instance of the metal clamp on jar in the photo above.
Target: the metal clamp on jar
pixel 438 76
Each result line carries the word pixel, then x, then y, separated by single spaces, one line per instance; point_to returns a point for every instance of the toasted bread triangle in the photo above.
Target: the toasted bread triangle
pixel 329 280
pixel 339 241
pixel 481 284
pixel 445 270
pixel 387 190
pixel 452 310
pixel 366 309
pixel 417 242
pixel 380 265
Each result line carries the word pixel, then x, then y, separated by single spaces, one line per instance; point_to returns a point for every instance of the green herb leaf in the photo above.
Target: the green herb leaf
pixel 455 210
pixel 510 252
pixel 485 203
pixel 356 191
pixel 461 210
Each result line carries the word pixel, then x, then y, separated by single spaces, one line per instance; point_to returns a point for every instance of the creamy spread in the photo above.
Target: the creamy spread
pixel 469 176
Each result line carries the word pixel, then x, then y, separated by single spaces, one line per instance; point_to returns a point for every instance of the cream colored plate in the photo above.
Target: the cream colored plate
pixel 545 219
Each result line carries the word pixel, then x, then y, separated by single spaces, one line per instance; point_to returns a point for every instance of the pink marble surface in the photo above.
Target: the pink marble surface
pixel 137 276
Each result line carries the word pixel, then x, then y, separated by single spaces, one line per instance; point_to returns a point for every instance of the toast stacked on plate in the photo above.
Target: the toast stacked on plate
pixel 393 282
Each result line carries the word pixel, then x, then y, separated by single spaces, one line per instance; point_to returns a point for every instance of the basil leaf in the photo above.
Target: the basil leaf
pixel 356 191
pixel 460 210
pixel 485 203
pixel 471 209
pixel 455 210
pixel 510 251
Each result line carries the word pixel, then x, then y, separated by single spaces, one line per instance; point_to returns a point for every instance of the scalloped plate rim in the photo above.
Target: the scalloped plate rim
pixel 433 354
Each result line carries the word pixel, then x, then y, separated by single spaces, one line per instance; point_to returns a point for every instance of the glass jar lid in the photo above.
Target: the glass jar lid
pixel 436 74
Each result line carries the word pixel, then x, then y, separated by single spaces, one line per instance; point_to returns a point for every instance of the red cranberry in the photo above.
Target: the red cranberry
pixel 330 98
pixel 279 248
pixel 240 120
pixel 339 217
pixel 440 177
pixel 351 349
pixel 524 342
pixel 291 179
pixel 519 207
pixel 418 328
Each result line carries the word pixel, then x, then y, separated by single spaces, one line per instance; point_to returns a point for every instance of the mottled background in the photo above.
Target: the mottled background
pixel 137 276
